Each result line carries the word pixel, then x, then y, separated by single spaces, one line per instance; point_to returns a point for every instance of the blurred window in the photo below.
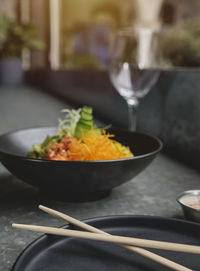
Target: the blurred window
pixel 87 28
pixel 79 33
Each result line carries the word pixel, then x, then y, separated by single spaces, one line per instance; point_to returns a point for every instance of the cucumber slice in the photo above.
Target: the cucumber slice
pixel 86 122
pixel 82 129
pixel 86 116
pixel 87 110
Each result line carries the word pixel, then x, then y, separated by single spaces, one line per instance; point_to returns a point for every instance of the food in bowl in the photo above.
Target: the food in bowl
pixel 78 139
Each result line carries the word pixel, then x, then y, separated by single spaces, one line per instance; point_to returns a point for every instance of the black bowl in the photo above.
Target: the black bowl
pixel 75 180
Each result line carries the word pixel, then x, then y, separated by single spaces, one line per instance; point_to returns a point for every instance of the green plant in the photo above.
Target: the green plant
pixel 15 36
pixel 181 46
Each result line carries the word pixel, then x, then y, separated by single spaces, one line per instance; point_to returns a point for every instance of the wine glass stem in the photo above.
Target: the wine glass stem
pixel 132 112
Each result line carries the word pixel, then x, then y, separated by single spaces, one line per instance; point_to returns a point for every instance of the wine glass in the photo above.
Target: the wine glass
pixel 132 67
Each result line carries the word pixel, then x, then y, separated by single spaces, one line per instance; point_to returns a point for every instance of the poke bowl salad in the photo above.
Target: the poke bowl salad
pixel 78 139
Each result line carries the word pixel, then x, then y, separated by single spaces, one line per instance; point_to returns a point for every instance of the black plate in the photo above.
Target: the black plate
pixel 55 253
pixel 75 180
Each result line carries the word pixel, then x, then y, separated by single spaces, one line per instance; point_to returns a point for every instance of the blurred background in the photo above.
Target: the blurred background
pixel 78 33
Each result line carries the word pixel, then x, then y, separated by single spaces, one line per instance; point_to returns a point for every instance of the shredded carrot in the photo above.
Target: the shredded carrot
pixel 89 147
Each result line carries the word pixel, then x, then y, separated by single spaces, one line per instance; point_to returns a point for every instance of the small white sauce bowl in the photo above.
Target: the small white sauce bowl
pixel 190 203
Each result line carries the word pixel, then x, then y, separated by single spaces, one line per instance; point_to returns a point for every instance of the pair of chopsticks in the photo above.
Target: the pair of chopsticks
pixel 133 244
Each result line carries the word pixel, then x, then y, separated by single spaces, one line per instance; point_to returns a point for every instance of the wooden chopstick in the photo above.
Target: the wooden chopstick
pixel 112 238
pixel 150 255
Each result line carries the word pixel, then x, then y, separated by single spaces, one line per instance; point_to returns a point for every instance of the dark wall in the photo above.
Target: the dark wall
pixel 84 88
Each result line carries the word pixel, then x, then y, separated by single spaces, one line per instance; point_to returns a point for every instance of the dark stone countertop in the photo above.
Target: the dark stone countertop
pixel 153 192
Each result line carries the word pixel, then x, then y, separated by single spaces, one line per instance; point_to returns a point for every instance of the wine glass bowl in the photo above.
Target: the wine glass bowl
pixel 131 81
pixel 132 68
